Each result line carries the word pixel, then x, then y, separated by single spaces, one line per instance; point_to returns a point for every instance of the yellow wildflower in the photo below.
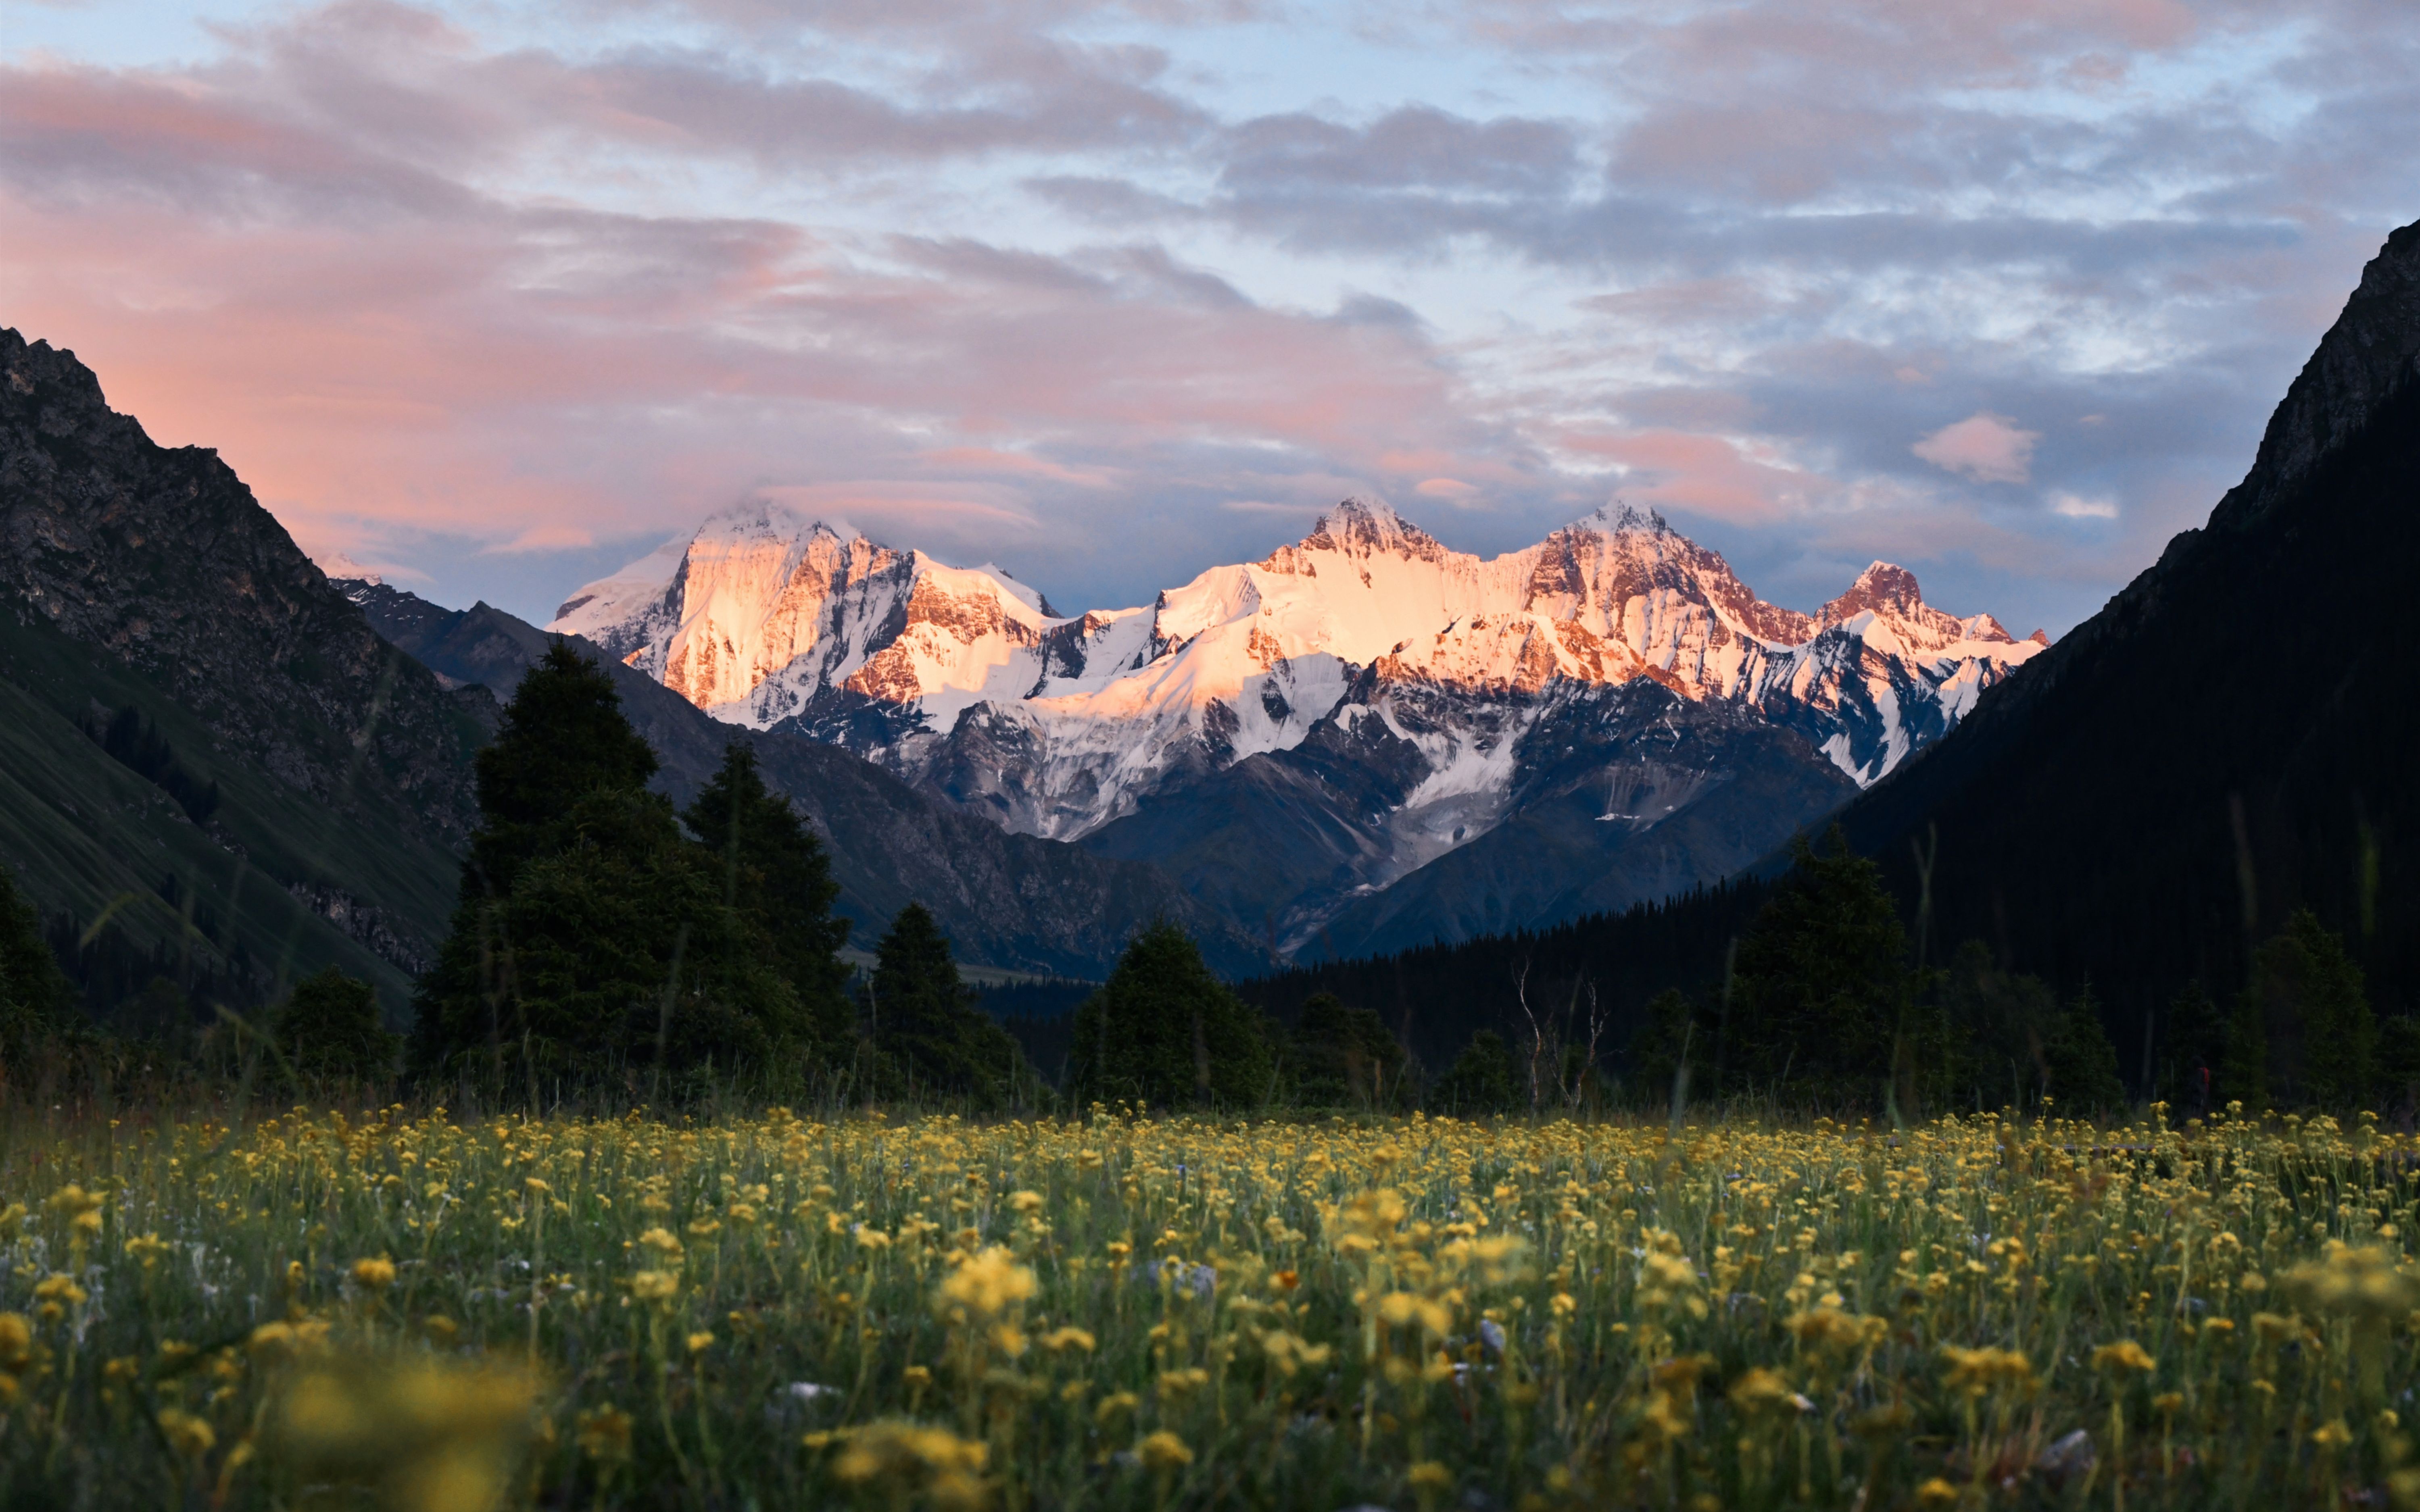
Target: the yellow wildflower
pixel 989 1283
pixel 190 1436
pixel 1164 1450
pixel 2120 1357
pixel 654 1286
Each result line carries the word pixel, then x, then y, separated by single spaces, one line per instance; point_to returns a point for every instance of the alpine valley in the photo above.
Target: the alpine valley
pixel 1365 741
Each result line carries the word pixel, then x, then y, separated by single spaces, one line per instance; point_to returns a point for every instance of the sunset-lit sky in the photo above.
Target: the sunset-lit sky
pixel 499 295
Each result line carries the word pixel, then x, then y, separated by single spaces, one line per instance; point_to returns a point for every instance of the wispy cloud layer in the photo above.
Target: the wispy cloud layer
pixel 1106 292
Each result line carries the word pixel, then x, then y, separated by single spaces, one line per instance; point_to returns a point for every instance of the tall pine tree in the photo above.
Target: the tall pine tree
pixel 1344 1057
pixel 2318 1035
pixel 775 872
pixel 564 739
pixel 1824 1005
pixel 592 940
pixel 923 1022
pixel 1672 1054
pixel 2243 1064
pixel 1164 1030
pixel 2080 1062
pixel 1481 1080
pixel 329 1027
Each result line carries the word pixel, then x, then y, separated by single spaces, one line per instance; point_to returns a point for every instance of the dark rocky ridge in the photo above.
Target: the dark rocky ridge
pixel 2231 737
pixel 163 559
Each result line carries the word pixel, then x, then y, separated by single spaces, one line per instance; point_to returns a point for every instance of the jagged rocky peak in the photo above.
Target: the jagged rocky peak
pixel 1891 593
pixel 162 558
pixel 2373 348
pixel 1362 526
pixel 1615 518
pixel 1883 587
pixel 1622 553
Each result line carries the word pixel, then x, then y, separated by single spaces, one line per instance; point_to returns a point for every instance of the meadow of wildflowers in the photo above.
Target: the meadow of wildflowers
pixel 423 1315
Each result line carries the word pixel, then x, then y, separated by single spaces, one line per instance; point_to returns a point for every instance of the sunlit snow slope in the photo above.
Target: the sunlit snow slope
pixel 965 681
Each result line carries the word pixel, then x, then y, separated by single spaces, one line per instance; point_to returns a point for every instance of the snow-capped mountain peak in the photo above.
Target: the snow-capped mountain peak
pixel 1889 593
pixel 1362 526
pixel 1615 518
pixel 762 607
pixel 342 568
pixel 965 679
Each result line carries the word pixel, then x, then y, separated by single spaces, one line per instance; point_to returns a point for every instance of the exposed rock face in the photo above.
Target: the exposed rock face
pixel 365 923
pixel 2361 359
pixel 163 559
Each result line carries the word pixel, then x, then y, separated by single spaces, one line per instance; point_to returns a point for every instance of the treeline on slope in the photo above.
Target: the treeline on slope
pixel 136 744
pixel 1434 998
pixel 606 944
pixel 1818 995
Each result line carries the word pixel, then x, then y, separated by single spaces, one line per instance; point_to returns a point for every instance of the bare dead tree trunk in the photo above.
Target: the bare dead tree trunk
pixel 1537 1033
pixel 1596 1022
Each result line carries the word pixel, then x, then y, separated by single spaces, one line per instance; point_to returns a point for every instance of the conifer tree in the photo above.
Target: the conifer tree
pixel 776 872
pixel 2244 1066
pixel 2318 1037
pixel 1344 1056
pixel 592 939
pixel 1164 1030
pixel 1481 1080
pixel 2079 1063
pixel 2339 1032
pixel 563 737
pixel 1670 1040
pixel 1824 991
pixel 329 1027
pixel 2003 1027
pixel 924 1023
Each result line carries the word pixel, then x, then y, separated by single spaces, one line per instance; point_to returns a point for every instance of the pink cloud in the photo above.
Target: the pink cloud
pixel 1985 447
pixel 534 375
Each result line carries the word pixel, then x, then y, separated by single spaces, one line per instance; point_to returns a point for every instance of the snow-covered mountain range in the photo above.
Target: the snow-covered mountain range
pixel 1097 727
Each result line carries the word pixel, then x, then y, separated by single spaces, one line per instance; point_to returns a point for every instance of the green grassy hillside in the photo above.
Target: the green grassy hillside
pixel 89 836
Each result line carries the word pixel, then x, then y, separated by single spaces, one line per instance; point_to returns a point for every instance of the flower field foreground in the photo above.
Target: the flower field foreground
pixel 412 1315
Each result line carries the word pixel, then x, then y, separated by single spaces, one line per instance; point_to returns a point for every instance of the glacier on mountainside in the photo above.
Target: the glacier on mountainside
pixel 966 681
